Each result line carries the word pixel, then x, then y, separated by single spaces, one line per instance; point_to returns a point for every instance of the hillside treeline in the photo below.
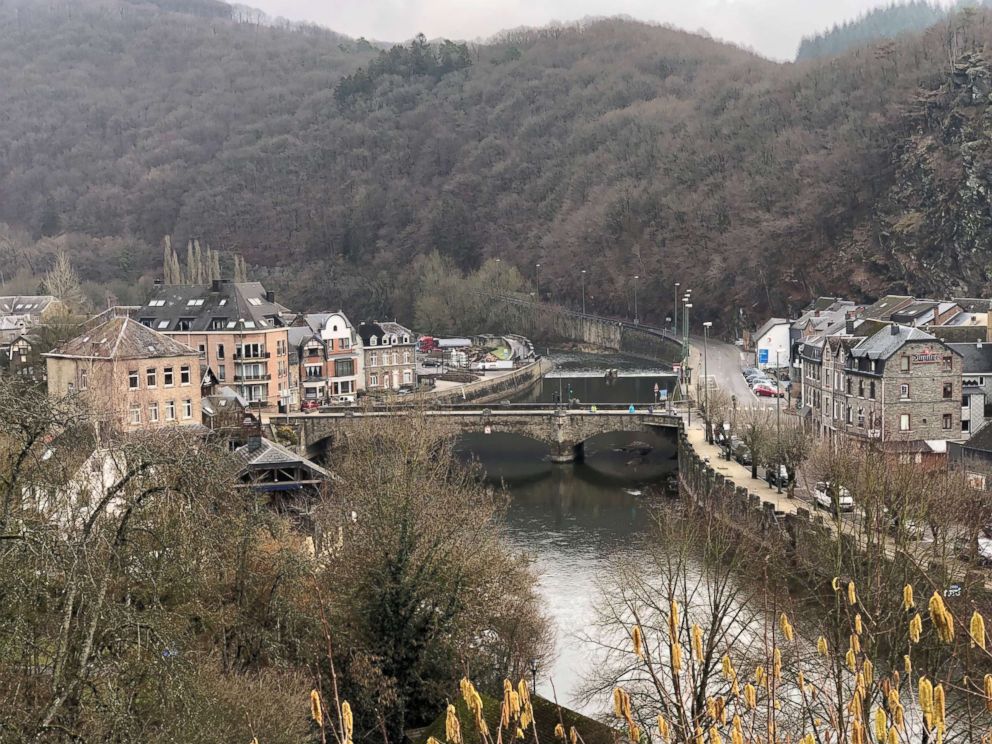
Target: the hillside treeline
pixel 878 23
pixel 613 146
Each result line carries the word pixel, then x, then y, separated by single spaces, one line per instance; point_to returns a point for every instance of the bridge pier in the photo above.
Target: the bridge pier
pixel 565 452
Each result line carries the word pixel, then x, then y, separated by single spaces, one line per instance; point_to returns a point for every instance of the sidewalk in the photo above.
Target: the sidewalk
pixel 739 474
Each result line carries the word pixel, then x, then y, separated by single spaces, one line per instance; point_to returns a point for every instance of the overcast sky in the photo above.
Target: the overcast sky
pixel 771 27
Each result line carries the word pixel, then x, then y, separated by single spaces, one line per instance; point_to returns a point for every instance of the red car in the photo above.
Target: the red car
pixel 309 405
pixel 767 391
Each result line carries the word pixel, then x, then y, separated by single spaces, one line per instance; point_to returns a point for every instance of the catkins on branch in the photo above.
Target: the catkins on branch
pixel 559 731
pixel 858 628
pixel 852 595
pixel 977 630
pixel 697 642
pixel 635 636
pixel 663 728
pixel 673 619
pixel 988 691
pixel 821 646
pixel 942 619
pixel 347 720
pixel 786 626
pixel 316 712
pixel 915 628
pixel 907 597
pixel 452 727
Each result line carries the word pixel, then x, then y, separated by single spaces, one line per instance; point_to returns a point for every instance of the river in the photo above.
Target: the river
pixel 573 518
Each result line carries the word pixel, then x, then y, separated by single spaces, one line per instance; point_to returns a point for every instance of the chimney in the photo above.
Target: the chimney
pixel 849 323
pixel 979 344
pixel 254 441
pixel 270 296
pixel 215 285
pixel 894 329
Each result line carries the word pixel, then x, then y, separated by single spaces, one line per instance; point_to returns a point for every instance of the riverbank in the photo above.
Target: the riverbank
pixel 495 388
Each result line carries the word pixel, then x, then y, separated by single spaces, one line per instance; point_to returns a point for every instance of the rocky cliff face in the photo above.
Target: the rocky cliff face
pixel 936 224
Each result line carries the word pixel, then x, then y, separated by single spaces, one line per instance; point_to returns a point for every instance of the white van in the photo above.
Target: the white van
pixel 823 496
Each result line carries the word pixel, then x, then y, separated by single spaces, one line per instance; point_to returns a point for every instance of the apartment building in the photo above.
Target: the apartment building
pixel 389 357
pixel 238 328
pixel 343 354
pixel 132 377
pixel 898 386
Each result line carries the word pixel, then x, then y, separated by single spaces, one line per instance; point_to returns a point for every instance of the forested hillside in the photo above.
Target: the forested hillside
pixel 616 147
pixel 880 23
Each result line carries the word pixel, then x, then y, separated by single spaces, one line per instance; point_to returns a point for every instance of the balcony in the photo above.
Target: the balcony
pixel 253 377
pixel 246 354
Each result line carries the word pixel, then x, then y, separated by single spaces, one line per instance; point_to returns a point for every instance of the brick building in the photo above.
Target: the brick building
pixel 132 377
pixel 238 328
pixel 898 386
pixel 336 345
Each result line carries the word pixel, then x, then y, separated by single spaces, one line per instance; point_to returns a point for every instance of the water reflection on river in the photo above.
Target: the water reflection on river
pixel 573 518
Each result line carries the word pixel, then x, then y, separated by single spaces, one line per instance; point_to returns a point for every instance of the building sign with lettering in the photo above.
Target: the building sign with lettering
pixel 926 357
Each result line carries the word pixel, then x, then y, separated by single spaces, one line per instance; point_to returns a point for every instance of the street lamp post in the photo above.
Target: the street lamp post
pixel 583 291
pixel 533 673
pixel 636 277
pixel 778 426
pixel 733 423
pixel 675 325
pixel 538 282
pixel 706 387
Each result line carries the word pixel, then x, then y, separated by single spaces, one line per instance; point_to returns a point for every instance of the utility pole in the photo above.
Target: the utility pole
pixel 538 282
pixel 583 291
pixel 675 325
pixel 778 424
pixel 636 277
pixel 706 387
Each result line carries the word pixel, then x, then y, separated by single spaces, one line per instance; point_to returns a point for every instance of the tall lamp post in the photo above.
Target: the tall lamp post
pixel 636 277
pixel 583 291
pixel 538 266
pixel 706 387
pixel 675 325
pixel 778 424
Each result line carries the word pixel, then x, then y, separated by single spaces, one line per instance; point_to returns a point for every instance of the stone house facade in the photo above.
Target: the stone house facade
pixel 389 356
pixel 132 377
pixel 900 387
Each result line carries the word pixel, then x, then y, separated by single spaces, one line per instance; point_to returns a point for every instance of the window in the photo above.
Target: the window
pixel 406 357
pixel 168 379
pixel 947 422
pixel 256 301
pixel 373 359
pixel 156 303
pixel 184 324
pixel 374 380
pixel 345 343
pixel 904 422
pixel 947 363
pixel 194 303
pixel 396 358
pixel 163 324
pixel 151 377
pixel 221 372
pixel 871 390
pixel 407 377
pixel 861 388
pixel 948 390
pixel 170 410
pixel 134 414
pixel 848 414
pixel 861 418
pixel 84 379
pixel 220 351
pixel 132 379
pixel 904 391
pixel 184 376
pixel 218 324
pixel 406 339
pixel 187 409
pixel 202 348
pixel 344 367
pixel 849 383
pixel 904 363
pixel 147 322
pixel 153 413
pixel 373 341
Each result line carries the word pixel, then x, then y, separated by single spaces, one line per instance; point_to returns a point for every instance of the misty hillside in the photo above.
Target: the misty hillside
pixel 617 147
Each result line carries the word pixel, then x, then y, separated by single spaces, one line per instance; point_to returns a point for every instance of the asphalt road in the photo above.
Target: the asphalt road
pixel 723 364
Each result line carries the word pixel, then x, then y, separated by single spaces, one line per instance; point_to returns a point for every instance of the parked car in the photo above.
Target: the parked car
pixel 742 454
pixel 777 475
pixel 310 404
pixel 749 370
pixel 765 390
pixel 834 497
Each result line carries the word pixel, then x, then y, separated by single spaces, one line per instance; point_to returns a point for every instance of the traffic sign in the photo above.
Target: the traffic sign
pixel 762 356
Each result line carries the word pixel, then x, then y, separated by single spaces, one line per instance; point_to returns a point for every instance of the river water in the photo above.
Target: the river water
pixel 573 518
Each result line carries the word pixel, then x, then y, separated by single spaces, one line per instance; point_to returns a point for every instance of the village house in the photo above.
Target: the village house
pixel 897 386
pixel 35 309
pixel 976 385
pixel 238 328
pixel 330 338
pixel 132 377
pixel 389 357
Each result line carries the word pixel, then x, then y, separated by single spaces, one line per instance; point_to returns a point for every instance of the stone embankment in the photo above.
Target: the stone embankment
pixel 494 389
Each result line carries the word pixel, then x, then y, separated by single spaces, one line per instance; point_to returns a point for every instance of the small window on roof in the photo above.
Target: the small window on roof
pixel 194 303
pixel 163 324
pixel 85 339
pixel 249 324
pixel 231 324
pixel 254 301
pixel 157 303
pixel 222 302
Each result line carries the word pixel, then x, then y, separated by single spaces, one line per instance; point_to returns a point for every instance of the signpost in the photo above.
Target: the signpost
pixel 763 356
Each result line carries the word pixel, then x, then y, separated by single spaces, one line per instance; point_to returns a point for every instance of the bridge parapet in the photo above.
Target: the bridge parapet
pixel 563 430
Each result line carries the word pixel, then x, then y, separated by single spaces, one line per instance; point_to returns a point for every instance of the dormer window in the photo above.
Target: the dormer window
pixel 393 339
pixel 406 339
pixel 373 341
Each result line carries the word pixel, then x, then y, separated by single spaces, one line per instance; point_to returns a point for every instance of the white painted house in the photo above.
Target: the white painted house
pixel 771 337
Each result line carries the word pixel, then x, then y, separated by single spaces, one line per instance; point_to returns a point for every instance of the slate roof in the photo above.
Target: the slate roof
pixel 769 324
pixel 228 303
pixel 885 343
pixel 122 338
pixel 883 308
pixel 268 453
pixel 25 304
pixel 976 357
pixel 394 328
pixel 225 399
pixel 914 310
pixel 298 335
pixel 981 439
pixel 973 304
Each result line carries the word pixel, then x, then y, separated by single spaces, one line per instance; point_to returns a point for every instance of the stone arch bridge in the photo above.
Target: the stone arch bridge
pixel 564 431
